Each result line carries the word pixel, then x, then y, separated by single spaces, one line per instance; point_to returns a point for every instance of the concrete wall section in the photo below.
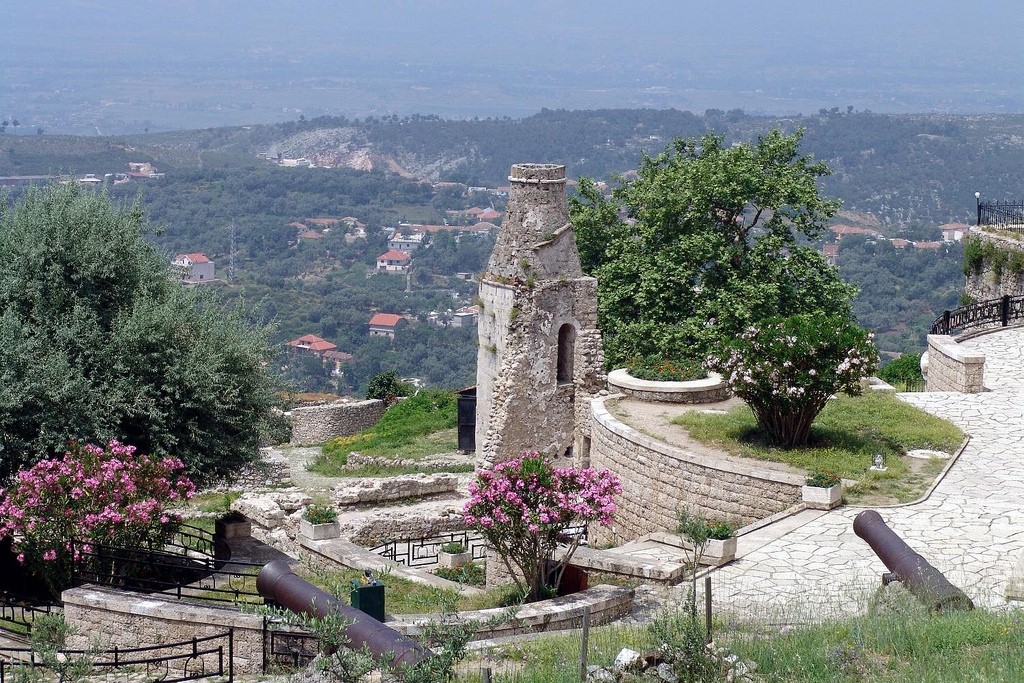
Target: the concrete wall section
pixel 659 480
pixel 316 424
pixel 951 367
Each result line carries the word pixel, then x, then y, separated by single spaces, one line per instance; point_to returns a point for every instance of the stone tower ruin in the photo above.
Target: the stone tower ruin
pixel 540 360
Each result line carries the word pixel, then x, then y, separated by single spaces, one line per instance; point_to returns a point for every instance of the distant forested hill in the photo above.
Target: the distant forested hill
pixel 904 169
pixel 903 174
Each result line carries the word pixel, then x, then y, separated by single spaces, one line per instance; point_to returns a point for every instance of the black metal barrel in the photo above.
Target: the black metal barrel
pixel 926 582
pixel 277 582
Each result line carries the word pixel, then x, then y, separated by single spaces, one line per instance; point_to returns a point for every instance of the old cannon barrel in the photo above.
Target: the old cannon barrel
pixel 919 577
pixel 277 582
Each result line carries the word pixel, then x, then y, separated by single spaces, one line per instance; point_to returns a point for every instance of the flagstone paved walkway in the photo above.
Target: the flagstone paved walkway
pixel 971 527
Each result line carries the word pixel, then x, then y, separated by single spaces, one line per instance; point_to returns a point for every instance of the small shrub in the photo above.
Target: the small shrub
pixel 320 514
pixel 454 548
pixel 471 574
pixel 387 387
pixel 823 479
pixel 662 368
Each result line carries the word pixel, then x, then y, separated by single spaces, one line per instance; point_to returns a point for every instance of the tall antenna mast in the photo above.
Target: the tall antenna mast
pixel 234 250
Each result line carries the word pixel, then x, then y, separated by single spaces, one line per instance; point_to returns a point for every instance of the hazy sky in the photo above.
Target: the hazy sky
pixel 502 57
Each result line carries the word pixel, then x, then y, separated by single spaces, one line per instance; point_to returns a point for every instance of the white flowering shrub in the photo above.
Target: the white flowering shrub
pixel 786 368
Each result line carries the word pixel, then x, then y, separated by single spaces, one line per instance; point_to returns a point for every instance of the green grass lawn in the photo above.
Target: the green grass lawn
pixel 844 439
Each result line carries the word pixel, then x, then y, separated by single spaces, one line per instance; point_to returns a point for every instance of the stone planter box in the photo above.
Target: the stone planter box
pixel 453 560
pixel 821 498
pixel 716 552
pixel 709 390
pixel 319 532
pixel 230 529
pixel 719 551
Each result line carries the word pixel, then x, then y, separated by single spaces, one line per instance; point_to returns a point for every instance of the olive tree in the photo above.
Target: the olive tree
pixel 98 342
pixel 705 240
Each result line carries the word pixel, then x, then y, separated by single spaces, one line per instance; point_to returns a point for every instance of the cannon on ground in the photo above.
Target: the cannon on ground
pixel 923 580
pixel 278 583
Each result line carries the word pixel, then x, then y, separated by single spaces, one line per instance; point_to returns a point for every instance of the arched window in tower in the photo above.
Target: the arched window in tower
pixel 566 349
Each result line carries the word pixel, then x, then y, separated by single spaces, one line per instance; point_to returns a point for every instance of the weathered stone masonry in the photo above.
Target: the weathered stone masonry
pixel 316 424
pixel 539 360
pixel 659 480
pixel 984 285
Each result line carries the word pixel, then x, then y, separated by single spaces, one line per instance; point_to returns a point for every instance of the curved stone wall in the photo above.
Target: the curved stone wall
pixel 316 424
pixel 951 367
pixel 710 390
pixel 659 480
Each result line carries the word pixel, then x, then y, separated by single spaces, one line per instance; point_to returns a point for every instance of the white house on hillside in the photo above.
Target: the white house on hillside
pixel 193 268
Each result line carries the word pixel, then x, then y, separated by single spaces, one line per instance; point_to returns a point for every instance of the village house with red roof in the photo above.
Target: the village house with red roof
pixel 841 231
pixel 394 262
pixel 320 347
pixel 385 325
pixel 194 268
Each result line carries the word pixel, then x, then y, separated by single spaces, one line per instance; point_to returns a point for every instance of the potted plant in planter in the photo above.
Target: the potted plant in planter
pixel 710 542
pixel 453 555
pixel 231 525
pixel 823 490
pixel 319 522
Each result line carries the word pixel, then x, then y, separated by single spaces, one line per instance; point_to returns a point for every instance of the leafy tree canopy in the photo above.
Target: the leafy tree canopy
pixel 705 240
pixel 97 342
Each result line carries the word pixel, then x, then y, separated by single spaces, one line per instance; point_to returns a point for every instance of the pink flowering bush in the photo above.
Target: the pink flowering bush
pixel 523 507
pixel 786 368
pixel 59 510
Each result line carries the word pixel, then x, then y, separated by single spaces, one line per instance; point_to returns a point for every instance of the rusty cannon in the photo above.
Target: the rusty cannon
pixel 923 580
pixel 278 583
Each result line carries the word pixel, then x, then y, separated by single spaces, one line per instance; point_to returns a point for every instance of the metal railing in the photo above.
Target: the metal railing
pixel 1006 215
pixel 283 645
pixel 186 660
pixel 422 552
pixel 192 565
pixel 991 313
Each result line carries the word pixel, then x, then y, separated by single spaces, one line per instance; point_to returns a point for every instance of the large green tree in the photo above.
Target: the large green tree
pixel 98 342
pixel 705 240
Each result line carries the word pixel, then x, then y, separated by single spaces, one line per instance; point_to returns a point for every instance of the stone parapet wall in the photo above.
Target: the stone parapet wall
pixel 107 618
pixel 659 480
pixel 951 367
pixel 710 390
pixel 317 424
pixel 606 603
pixel 985 285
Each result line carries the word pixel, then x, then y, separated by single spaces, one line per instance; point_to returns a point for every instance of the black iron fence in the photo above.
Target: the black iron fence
pixel 422 552
pixel 192 565
pixel 991 313
pixel 17 612
pixel 283 645
pixel 1006 215
pixel 188 660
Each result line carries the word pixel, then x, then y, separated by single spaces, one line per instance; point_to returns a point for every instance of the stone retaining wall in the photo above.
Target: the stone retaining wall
pixel 951 367
pixel 984 284
pixel 710 390
pixel 316 424
pixel 109 618
pixel 659 480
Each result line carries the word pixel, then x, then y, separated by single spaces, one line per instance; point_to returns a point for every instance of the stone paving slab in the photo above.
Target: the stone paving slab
pixel 971 527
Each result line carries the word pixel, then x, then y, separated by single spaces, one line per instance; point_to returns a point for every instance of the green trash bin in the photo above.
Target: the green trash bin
pixel 369 598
